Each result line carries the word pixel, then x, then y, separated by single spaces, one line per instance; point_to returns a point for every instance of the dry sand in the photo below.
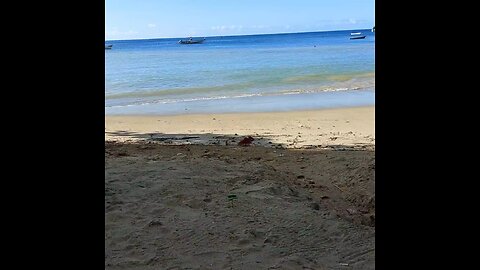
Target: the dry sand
pixel 305 202
pixel 347 127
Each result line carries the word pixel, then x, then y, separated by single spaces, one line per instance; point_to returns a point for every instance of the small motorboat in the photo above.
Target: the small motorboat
pixel 108 47
pixel 191 41
pixel 357 37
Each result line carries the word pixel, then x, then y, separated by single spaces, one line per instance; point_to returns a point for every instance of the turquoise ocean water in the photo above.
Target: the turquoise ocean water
pixel 274 72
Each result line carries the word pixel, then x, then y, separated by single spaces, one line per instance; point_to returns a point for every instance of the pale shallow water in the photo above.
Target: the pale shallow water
pixel 240 73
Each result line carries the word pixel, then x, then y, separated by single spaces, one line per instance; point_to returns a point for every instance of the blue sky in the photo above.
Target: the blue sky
pixel 138 19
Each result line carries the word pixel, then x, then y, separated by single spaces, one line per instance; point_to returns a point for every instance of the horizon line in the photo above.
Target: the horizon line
pixel 281 33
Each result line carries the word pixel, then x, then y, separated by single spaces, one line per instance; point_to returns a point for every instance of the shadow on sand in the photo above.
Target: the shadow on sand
pixel 170 192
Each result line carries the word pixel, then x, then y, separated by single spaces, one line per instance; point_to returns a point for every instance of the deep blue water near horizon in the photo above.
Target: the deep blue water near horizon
pixel 272 72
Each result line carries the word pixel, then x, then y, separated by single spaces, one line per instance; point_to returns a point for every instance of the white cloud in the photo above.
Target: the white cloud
pixel 245 29
pixel 116 34
pixel 352 21
pixel 151 25
pixel 227 27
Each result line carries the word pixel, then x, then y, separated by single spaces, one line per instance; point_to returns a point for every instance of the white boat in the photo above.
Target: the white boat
pixel 191 41
pixel 357 35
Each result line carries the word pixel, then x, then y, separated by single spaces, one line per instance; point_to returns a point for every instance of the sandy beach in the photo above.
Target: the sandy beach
pixel 181 193
pixel 319 128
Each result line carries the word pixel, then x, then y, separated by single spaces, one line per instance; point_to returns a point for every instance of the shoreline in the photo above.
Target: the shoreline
pixel 231 113
pixel 349 126
pixel 253 104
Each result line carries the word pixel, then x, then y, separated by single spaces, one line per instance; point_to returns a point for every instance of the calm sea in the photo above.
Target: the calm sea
pixel 273 72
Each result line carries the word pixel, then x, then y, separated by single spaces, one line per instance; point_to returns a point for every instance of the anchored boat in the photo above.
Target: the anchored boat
pixel 356 35
pixel 191 41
